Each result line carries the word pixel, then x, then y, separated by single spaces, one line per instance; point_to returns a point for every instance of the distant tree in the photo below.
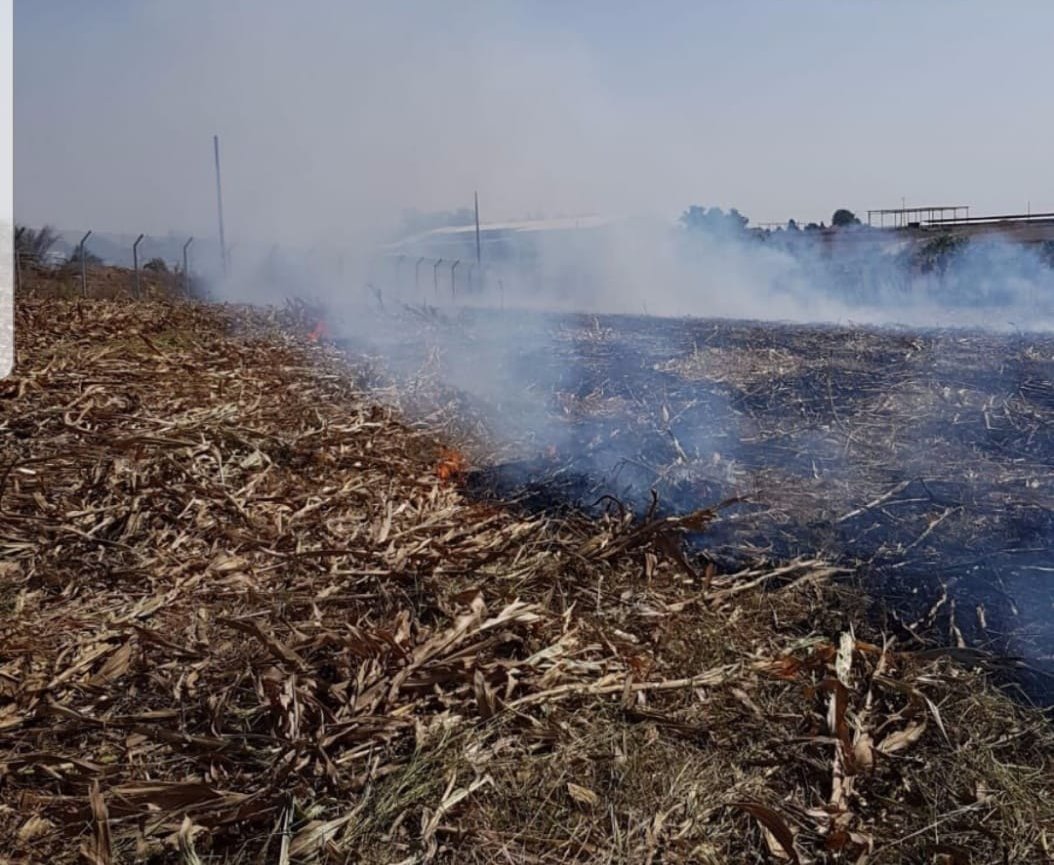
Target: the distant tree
pixel 35 244
pixel 90 258
pixel 843 218
pixel 157 265
pixel 938 254
pixel 714 220
pixel 812 226
pixel 792 225
pixel 694 217
pixel 1046 253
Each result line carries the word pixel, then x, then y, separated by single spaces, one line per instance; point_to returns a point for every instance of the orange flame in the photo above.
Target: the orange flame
pixel 452 464
pixel 319 332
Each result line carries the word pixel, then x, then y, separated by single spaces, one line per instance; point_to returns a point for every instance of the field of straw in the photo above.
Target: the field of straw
pixel 252 615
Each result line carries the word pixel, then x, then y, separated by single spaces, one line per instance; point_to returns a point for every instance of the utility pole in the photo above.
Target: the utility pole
pixel 476 195
pixel 219 202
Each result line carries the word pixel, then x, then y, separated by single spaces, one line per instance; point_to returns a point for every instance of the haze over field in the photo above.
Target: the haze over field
pixel 649 520
pixel 336 116
pixel 335 119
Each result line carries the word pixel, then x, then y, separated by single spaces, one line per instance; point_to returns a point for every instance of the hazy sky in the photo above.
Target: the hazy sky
pixel 333 116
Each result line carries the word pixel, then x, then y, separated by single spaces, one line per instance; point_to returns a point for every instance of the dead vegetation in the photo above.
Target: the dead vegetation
pixel 104 281
pixel 252 617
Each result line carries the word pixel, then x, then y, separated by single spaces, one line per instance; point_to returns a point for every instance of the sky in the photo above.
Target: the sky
pixel 333 117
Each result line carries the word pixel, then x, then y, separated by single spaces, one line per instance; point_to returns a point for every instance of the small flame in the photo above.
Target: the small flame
pixel 318 332
pixel 452 464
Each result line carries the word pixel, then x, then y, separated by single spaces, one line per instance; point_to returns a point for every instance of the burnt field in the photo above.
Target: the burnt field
pixel 921 460
pixel 254 614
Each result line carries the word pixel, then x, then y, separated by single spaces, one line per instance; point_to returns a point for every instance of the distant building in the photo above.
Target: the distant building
pixel 502 243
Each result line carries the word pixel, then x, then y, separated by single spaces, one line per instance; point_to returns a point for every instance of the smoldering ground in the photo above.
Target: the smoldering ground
pixel 918 455
pixel 334 121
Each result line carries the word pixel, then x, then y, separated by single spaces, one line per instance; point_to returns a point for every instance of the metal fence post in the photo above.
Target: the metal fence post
pixel 435 277
pixel 417 275
pixel 453 272
pixel 186 270
pixel 135 264
pixel 84 269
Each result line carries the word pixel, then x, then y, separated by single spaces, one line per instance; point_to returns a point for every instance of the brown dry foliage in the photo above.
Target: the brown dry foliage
pixel 248 619
pixel 104 282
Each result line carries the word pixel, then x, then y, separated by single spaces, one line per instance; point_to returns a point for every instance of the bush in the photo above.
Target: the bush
pixel 35 244
pixel 90 258
pixel 843 218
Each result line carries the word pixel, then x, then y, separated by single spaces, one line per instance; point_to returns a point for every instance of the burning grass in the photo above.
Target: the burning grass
pixel 920 459
pixel 253 616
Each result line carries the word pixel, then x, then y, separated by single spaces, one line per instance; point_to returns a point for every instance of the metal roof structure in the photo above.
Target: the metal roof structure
pixel 451 232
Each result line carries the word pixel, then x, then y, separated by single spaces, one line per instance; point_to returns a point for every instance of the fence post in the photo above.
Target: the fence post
pixel 84 270
pixel 453 271
pixel 186 270
pixel 135 264
pixel 435 277
pixel 417 276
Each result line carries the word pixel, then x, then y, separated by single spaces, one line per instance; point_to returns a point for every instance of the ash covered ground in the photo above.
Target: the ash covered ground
pixel 922 459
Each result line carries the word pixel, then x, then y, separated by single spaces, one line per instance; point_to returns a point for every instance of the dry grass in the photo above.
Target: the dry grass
pixel 104 282
pixel 251 617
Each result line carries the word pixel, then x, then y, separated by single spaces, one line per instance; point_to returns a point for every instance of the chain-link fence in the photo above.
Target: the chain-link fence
pixel 99 264
pixel 48 261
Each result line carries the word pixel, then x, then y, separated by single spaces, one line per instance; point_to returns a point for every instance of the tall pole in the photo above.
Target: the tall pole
pixel 219 201
pixel 476 195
